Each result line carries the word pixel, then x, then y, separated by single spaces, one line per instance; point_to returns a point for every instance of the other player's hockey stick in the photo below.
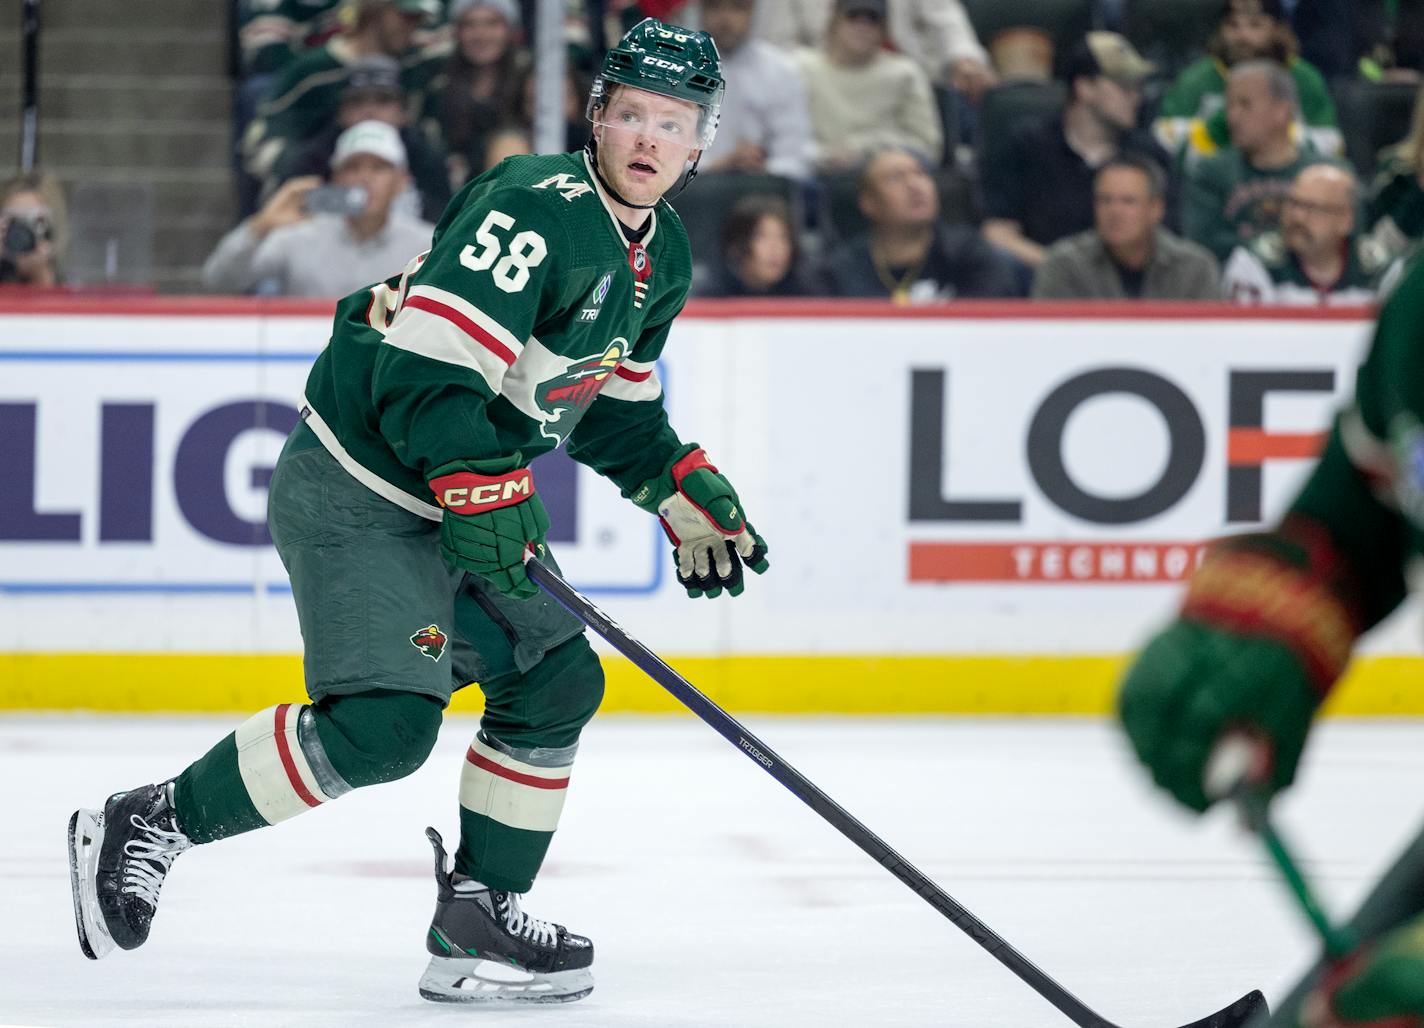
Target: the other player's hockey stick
pixel 1250 1006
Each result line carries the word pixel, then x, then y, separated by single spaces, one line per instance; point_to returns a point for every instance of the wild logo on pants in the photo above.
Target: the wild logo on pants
pixel 430 641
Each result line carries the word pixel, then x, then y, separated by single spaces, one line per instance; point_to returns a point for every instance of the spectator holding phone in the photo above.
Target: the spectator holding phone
pixel 314 240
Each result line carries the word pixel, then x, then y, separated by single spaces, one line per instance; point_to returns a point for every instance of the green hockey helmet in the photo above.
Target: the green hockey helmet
pixel 676 62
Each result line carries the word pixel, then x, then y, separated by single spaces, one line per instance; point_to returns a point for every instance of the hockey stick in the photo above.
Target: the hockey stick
pixel 1229 775
pixel 1246 1008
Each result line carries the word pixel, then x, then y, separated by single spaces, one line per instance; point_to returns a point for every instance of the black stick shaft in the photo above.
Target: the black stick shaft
pixel 731 730
pixel 30 99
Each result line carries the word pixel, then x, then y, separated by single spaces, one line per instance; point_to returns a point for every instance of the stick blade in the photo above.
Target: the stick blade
pixel 1246 1010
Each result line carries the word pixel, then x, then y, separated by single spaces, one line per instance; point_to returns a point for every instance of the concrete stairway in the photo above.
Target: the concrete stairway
pixel 135 119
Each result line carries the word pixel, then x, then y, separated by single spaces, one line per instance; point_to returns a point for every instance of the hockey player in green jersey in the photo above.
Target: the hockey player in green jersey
pixel 1266 629
pixel 403 508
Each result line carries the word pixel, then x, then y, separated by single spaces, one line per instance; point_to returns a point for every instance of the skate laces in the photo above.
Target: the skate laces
pixel 148 860
pixel 519 923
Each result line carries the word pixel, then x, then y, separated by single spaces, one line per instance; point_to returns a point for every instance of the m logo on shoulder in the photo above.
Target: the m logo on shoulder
pixel 569 187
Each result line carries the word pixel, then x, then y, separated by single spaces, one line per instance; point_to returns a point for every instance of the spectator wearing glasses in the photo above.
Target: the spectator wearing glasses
pixel 1043 192
pixel 861 96
pixel 1318 257
pixel 1128 254
pixel 31 230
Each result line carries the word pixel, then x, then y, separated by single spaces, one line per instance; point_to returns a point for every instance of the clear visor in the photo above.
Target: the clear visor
pixel 634 113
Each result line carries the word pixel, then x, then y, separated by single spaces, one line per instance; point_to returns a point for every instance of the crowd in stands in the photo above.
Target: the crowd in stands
pixel 915 150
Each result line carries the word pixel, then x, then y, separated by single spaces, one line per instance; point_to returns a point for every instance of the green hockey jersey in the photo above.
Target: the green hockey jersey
pixel 531 322
pixel 1265 271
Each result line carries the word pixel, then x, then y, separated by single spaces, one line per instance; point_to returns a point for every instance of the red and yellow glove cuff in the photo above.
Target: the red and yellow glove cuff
pixel 1251 586
pixel 468 492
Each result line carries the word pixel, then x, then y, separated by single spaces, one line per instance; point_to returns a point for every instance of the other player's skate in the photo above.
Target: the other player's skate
pixel 118 858
pixel 484 949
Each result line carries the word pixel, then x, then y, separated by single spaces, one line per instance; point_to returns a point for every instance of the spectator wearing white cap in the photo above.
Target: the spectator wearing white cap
pixel 326 242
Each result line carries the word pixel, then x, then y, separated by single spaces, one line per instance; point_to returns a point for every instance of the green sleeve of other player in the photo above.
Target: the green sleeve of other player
pixel 629 441
pixel 1372 533
pixel 494 274
pixel 1184 98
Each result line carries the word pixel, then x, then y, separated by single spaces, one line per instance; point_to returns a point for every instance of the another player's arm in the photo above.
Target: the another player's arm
pixel 1270 619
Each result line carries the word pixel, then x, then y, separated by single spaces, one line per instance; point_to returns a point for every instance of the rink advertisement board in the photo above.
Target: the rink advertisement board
pixel 957 501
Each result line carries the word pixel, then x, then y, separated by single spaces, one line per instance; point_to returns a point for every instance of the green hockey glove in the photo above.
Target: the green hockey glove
pixel 1381 986
pixel 492 516
pixel 1263 634
pixel 702 516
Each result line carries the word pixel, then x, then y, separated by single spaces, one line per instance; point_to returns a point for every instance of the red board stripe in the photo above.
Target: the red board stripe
pixel 485 764
pixel 634 376
pixel 1256 446
pixel 284 751
pixel 464 324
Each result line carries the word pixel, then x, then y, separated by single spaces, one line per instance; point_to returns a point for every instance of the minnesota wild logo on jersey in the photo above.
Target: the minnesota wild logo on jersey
pixel 573 390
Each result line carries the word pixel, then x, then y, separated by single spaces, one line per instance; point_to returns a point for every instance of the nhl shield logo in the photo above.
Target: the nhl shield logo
pixel 430 641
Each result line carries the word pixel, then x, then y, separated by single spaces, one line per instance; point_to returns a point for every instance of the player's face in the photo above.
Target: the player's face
pixel 1247 35
pixel 644 141
pixel 381 179
pixel 1318 213
pixel 1123 207
pixel 483 35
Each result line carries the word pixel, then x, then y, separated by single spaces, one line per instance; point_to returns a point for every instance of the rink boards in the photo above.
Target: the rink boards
pixel 972 509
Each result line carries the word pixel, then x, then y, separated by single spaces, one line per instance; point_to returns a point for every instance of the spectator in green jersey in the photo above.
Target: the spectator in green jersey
pixel 1396 208
pixel 1235 196
pixel 1318 257
pixel 1193 123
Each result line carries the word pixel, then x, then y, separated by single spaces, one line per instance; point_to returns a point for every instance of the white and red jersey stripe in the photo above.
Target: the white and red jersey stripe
pixel 634 380
pixel 278 774
pixel 508 790
pixel 438 324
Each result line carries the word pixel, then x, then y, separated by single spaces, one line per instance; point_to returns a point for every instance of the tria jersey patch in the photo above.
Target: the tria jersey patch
pixel 430 641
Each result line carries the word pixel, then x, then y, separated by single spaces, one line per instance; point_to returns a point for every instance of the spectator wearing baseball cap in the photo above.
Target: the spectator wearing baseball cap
pixel 860 96
pixel 373 93
pixel 1043 190
pixel 328 243
pixel 1192 121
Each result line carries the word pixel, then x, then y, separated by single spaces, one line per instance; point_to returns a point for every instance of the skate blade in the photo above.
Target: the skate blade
pixel 471 980
pixel 86 836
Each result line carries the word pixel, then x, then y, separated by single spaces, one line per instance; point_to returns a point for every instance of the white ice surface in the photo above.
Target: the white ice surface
pixel 714 897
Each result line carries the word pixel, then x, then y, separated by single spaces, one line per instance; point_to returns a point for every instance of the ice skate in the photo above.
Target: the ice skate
pixel 484 949
pixel 118 858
